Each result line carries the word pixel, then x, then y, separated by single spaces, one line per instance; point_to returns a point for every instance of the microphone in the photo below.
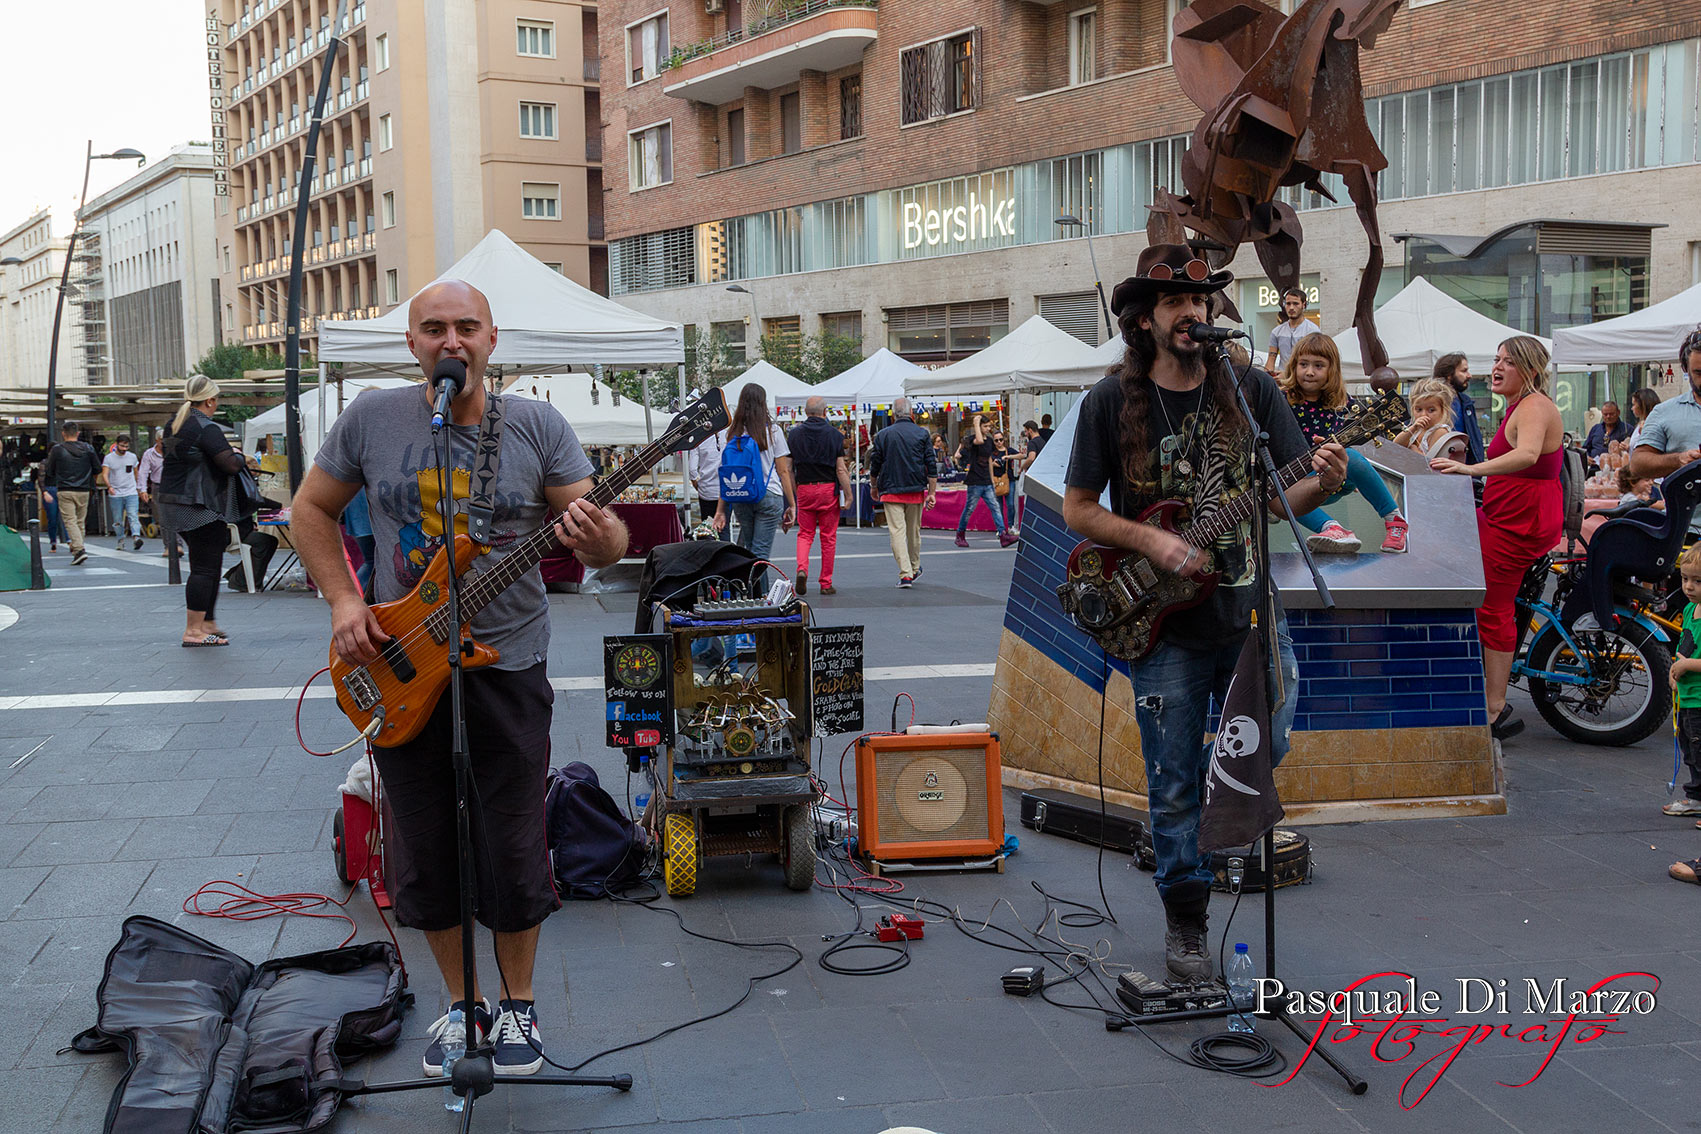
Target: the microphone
pixel 1205 333
pixel 450 378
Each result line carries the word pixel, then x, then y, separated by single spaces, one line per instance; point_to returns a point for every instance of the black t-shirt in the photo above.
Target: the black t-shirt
pixel 1188 456
pixel 979 458
pixel 199 442
pixel 816 447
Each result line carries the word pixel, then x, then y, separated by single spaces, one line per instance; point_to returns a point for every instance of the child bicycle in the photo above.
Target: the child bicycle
pixel 1600 651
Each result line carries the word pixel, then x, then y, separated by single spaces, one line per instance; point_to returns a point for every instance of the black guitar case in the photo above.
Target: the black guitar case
pixel 217 1045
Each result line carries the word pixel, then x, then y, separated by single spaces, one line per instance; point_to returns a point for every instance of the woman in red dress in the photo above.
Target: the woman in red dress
pixel 1522 511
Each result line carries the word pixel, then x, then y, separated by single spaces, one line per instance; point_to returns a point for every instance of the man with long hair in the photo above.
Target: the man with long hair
pixel 1165 425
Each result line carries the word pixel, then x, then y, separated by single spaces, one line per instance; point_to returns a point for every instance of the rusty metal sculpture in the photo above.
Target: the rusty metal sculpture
pixel 1283 104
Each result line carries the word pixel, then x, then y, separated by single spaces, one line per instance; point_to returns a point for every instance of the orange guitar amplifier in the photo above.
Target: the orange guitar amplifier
pixel 929 797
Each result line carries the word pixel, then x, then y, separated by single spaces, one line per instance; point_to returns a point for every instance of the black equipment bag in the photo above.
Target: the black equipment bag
pixel 593 847
pixel 673 571
pixel 261 547
pixel 217 1045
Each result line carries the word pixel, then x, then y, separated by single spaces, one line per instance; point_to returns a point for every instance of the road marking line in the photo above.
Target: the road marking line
pixel 324 691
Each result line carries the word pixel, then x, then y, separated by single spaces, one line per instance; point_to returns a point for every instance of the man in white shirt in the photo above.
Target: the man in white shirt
pixel 704 468
pixel 1293 327
pixel 118 471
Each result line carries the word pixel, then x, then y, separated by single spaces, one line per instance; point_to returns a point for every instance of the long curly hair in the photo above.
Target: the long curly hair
pixel 1139 460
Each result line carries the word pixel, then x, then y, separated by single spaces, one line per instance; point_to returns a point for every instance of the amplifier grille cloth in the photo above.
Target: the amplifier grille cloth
pixel 932 796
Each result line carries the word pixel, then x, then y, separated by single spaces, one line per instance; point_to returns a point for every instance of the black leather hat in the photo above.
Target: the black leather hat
pixel 1168 268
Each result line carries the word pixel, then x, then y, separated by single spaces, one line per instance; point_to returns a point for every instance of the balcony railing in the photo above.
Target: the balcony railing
pixel 808 35
pixel 593 70
pixel 593 147
pixel 791 14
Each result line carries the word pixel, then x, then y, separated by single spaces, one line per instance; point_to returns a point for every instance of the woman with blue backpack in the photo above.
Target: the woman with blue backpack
pixel 755 476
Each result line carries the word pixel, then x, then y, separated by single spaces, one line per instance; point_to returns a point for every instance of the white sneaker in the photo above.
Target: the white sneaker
pixel 1684 806
pixel 1333 539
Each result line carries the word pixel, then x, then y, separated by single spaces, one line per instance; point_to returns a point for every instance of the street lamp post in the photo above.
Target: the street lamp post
pixel 1067 221
pixel 65 279
pixel 755 319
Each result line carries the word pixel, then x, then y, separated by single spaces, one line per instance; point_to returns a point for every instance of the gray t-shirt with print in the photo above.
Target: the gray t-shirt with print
pixel 1284 337
pixel 383 441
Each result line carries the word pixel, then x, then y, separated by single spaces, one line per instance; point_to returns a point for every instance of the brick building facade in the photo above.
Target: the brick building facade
pixel 805 149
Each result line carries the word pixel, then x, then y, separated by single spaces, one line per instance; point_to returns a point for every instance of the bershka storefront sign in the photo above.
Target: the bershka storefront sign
pixel 964 214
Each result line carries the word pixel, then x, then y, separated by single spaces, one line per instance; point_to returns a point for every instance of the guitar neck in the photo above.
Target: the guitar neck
pixel 1239 510
pixel 481 589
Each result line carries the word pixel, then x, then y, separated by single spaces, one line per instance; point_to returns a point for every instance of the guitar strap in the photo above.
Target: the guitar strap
pixel 487 462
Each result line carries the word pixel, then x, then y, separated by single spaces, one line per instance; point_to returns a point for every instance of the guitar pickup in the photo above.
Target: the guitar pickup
pixel 1144 574
pixel 397 656
pixel 362 689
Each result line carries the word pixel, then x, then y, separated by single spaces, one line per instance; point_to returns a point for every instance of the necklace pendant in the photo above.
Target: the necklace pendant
pixel 1183 468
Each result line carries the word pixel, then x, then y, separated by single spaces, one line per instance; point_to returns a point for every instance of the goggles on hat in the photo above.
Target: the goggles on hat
pixel 1195 270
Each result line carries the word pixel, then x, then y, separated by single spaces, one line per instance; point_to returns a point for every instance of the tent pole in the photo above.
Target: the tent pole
pixel 856 455
pixel 319 434
pixel 685 460
pixel 649 430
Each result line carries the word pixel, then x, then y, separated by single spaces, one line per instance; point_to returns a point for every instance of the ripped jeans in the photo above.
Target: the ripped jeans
pixel 1173 687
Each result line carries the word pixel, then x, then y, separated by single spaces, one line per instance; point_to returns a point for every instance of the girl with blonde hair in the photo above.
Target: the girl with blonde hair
pixel 1317 394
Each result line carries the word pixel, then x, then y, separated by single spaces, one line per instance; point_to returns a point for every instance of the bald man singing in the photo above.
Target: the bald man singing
pixel 383 442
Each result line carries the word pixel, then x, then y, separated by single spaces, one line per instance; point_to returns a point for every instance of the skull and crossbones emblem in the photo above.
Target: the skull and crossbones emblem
pixel 1238 738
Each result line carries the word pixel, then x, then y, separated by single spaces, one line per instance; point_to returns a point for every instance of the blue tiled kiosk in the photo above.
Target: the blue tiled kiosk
pixel 1391 718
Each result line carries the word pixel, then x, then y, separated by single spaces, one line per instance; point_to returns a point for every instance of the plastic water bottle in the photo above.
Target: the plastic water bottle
pixel 452 1052
pixel 1242 993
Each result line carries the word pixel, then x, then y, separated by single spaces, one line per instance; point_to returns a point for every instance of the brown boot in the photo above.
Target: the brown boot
pixel 1187 949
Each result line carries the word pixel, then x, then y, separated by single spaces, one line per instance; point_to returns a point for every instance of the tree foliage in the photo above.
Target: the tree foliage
pixel 227 362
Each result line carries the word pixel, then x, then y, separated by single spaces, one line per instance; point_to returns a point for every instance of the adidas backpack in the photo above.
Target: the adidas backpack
pixel 743 476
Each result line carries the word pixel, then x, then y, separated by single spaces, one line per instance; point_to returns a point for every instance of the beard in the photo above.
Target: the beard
pixel 1189 357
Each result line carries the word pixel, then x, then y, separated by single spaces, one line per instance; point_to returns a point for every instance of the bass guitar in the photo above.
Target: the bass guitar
pixel 390 699
pixel 1121 598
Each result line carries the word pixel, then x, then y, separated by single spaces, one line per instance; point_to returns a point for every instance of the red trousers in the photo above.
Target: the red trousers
pixel 817 507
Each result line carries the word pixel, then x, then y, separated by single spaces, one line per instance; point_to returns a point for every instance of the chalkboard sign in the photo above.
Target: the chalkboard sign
pixel 835 679
pixel 637 679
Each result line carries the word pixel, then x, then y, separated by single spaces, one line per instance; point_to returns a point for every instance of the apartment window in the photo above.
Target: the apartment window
pixel 1083 46
pixel 540 200
pixel 387 205
pixel 843 324
pixel 385 138
pixel 392 286
pixel 791 123
pixel 735 136
pixel 850 106
pixel 646 48
pixel 939 78
pixel 650 155
pixel 787 330
pixel 535 37
pixel 381 52
pixel 537 120
pixel 227 257
pixel 733 334
pixel 554 266
pixel 946 332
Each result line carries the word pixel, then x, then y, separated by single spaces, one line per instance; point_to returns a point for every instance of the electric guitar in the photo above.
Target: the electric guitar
pixel 391 698
pixel 1121 598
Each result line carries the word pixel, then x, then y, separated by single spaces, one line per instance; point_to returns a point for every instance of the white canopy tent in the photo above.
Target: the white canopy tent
pixel 598 422
pixel 545 321
pixel 776 383
pixel 1418 325
pixel 314 425
pixel 1649 335
pixel 1036 355
pixel 876 380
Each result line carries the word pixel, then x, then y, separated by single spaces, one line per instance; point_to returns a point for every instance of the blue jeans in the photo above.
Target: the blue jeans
pixel 1362 478
pixel 758 520
pixel 981 492
pixel 121 507
pixel 1173 687
pixel 55 525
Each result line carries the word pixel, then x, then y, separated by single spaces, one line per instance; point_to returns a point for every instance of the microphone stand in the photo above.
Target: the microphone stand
pixel 474 1074
pixel 1266 483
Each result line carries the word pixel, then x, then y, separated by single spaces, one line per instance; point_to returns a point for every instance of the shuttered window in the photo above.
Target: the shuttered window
pixel 1077 312
pixel 946 332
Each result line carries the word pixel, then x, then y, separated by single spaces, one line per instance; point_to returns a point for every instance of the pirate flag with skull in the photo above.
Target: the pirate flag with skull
pixel 1240 788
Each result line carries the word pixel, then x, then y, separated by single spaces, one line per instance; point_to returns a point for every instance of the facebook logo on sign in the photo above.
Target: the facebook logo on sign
pixel 617 710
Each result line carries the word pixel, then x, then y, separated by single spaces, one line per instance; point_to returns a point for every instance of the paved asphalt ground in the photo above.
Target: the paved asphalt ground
pixel 152 769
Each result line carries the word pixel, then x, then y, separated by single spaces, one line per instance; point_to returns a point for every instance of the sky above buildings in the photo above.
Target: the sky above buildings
pixel 117 72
